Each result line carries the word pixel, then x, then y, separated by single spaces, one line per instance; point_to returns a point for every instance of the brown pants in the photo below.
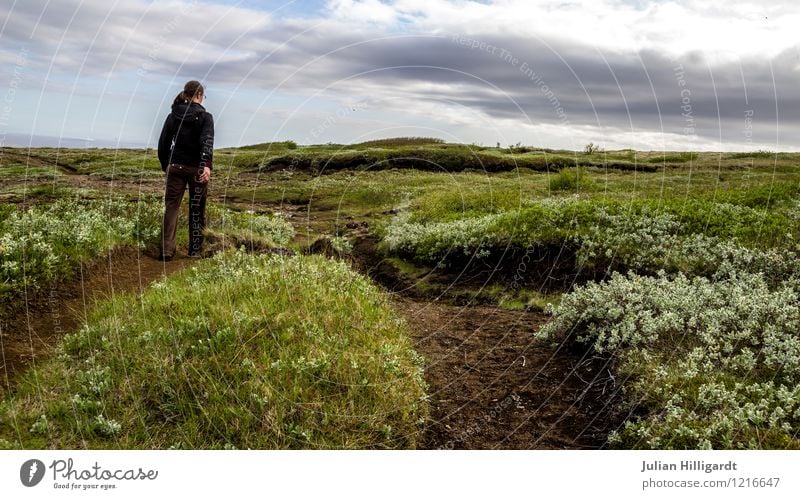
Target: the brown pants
pixel 178 177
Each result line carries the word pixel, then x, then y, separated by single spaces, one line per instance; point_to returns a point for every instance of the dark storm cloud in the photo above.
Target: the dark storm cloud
pixel 646 91
pixel 531 79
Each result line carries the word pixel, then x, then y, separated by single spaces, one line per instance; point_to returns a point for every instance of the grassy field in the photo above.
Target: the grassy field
pixel 679 269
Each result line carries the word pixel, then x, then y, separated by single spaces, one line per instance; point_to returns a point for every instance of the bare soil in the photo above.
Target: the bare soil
pixel 492 386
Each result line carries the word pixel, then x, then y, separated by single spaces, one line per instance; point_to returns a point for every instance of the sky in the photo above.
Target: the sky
pixel 643 74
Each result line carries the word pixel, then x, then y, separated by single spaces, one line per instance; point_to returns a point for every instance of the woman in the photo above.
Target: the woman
pixel 185 150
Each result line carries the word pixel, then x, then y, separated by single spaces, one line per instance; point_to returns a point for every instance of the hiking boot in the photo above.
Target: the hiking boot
pixel 165 258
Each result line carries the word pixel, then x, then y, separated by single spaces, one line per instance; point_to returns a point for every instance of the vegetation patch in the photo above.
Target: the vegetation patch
pixel 255 231
pixel 48 242
pixel 681 157
pixel 240 351
pixel 570 179
pixel 431 157
pixel 602 235
pixel 704 363
pixel 400 141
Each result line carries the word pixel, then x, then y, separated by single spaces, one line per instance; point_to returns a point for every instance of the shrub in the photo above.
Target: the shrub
pixel 570 179
pixel 274 229
pixel 709 363
pixel 591 148
pixel 692 237
pixel 432 242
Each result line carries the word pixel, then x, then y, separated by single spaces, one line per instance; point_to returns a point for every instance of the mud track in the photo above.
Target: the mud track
pixel 33 160
pixel 492 385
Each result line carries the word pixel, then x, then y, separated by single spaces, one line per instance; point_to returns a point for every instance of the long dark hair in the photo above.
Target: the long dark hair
pixel 191 90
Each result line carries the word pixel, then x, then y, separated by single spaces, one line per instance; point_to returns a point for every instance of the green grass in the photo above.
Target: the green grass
pixel 399 141
pixel 512 297
pixel 266 146
pixel 753 155
pixel 686 213
pixel 243 351
pixel 466 201
pixel 433 157
pixel 17 171
pixel 698 194
pixel 103 162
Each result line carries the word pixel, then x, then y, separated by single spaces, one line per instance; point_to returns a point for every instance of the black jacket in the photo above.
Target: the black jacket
pixel 187 136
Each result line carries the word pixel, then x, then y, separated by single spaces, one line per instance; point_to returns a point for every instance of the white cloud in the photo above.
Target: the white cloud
pixel 357 12
pixel 718 29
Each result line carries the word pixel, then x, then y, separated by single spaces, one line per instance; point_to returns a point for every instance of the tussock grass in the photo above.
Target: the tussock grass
pixel 681 157
pixel 570 179
pixel 240 351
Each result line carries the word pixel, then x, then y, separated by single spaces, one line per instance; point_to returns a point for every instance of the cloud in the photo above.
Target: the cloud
pixel 96 36
pixel 615 72
pixel 364 11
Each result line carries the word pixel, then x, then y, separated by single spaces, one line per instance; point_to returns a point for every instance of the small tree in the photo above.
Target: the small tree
pixel 590 148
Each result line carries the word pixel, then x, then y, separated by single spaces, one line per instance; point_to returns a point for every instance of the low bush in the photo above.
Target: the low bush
pixel 272 230
pixel 706 363
pixel 48 242
pixel 694 237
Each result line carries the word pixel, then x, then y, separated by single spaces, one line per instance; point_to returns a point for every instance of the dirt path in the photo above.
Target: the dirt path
pixel 35 327
pixel 492 386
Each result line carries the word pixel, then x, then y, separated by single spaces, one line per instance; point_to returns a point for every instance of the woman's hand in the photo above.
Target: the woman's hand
pixel 206 175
